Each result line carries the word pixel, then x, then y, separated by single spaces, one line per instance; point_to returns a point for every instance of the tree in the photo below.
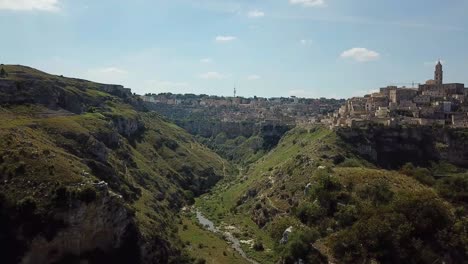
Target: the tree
pixel 378 194
pixel 3 73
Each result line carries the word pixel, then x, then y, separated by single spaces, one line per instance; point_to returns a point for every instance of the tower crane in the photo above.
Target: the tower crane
pixel 404 84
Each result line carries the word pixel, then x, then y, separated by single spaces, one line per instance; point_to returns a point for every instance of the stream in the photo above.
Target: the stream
pixel 235 243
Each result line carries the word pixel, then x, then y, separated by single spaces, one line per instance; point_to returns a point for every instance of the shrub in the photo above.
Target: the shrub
pixel 189 196
pixel 258 246
pixel 299 245
pixel 412 228
pixel 338 159
pixel 347 215
pixel 453 188
pixel 328 192
pixel 3 73
pixel 422 175
pixel 309 213
pixel 378 194
pixel 279 224
pixel 350 163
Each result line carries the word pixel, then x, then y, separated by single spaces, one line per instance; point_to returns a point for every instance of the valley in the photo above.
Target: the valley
pixel 233 132
pixel 89 174
pixel 321 184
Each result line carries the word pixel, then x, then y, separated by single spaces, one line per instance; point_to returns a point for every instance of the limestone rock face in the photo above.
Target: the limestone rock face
pixel 116 90
pixel 103 225
pixel 97 149
pixel 128 127
pixel 392 147
pixel 263 214
pixel 286 234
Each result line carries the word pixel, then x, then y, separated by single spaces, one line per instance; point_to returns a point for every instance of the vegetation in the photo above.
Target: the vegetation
pixel 204 246
pixel 103 149
pixel 309 197
pixel 349 209
pixel 3 73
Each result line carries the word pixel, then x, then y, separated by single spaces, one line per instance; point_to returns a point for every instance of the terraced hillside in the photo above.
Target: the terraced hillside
pixel 315 199
pixel 87 174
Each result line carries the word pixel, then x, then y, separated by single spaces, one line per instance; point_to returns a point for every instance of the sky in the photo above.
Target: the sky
pixel 268 48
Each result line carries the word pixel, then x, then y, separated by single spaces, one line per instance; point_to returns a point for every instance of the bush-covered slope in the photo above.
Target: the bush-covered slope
pixel 84 175
pixel 341 207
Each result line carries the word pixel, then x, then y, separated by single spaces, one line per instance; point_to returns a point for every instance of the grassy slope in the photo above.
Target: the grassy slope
pixel 203 244
pixel 224 198
pixel 43 149
pixel 280 178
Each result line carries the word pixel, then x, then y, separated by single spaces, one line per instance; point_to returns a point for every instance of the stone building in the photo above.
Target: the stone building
pixel 386 90
pixel 402 94
pixel 373 103
pixel 436 87
pixel 434 102
pixel 439 74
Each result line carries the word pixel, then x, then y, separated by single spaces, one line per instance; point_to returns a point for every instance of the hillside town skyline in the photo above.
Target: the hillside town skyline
pixel 432 103
pixel 237 92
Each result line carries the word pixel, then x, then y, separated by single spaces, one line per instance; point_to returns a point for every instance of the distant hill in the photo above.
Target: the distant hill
pixel 87 174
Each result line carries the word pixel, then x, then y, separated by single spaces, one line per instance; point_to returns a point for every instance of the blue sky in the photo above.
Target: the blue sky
pixel 310 48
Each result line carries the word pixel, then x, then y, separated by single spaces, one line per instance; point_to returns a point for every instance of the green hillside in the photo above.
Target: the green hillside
pixel 78 157
pixel 349 209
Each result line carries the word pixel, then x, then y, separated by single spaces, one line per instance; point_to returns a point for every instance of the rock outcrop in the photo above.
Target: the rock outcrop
pixel 116 90
pixel 91 231
pixel 393 147
pixel 128 127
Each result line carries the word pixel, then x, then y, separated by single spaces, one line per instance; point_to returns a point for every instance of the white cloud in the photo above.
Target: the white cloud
pixel 256 14
pixel 225 39
pixel 360 54
pixel 206 60
pixel 308 3
pixel 253 77
pixel 306 42
pixel 211 76
pixel 30 5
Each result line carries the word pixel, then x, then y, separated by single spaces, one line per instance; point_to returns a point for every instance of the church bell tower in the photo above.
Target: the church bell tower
pixel 439 74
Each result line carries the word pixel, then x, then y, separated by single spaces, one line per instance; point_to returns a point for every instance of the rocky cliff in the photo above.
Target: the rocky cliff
pixel 101 230
pixel 85 176
pixel 393 147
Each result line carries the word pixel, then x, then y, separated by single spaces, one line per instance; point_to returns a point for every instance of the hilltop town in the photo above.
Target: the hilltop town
pixel 432 103
pixel 292 110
